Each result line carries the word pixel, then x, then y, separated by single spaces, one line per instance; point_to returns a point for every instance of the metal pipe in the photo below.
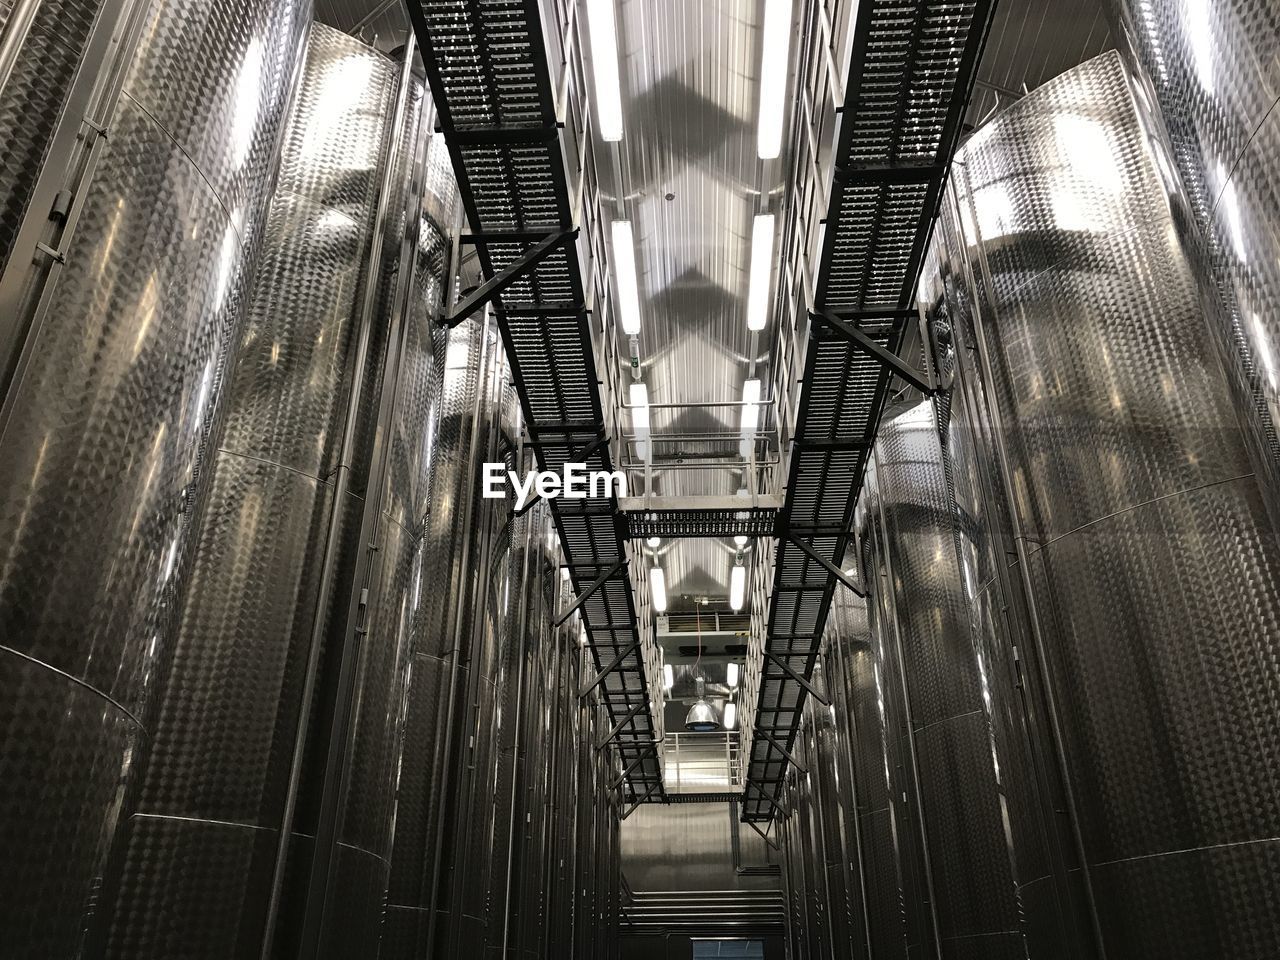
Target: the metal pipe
pixel 337 765
pixel 522 621
pixel 1028 591
pixel 16 29
pixel 333 534
pixel 437 852
pixel 891 596
pixel 842 695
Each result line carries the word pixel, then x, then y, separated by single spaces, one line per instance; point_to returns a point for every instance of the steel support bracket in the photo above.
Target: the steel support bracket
pixel 500 281
pixel 617 727
pixel 800 767
pixel 830 567
pixel 886 358
pixel 647 794
pixel 651 749
pixel 764 834
pixel 586 594
pixel 764 793
pixel 612 665
pixel 820 697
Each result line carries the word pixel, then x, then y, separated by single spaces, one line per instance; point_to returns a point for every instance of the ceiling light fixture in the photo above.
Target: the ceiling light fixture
pixel 604 63
pixel 638 395
pixel 653 542
pixel 624 268
pixel 668 677
pixel 761 271
pixel 750 417
pixel 732 673
pixel 750 407
pixel 658 588
pixel 702 716
pixel 773 77
pixel 730 716
pixel 740 541
pixel 737 586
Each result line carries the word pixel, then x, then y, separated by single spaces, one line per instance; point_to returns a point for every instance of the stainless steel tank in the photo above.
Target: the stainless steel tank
pixel 106 430
pixel 458 534
pixel 43 46
pixel 1147 561
pixel 953 764
pixel 472 886
pixel 884 822
pixel 1209 73
pixel 217 789
pixel 363 739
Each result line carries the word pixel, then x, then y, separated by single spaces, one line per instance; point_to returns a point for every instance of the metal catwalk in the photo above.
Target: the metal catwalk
pixel 969 638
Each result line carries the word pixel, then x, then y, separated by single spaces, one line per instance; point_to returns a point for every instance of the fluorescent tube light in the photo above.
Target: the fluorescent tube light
pixel 773 77
pixel 761 271
pixel 730 715
pixel 733 673
pixel 668 677
pixel 638 397
pixel 750 407
pixel 624 268
pixel 737 586
pixel 658 588
pixel 750 418
pixel 604 64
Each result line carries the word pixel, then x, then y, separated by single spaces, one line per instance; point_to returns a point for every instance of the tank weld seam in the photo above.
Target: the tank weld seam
pixel 367 853
pixel 409 906
pixel 76 680
pixel 1108 237
pixel 274 463
pixel 1032 883
pixel 191 160
pixel 209 820
pixel 959 716
pixel 1138 506
pixel 993 933
pixel 1174 853
pixel 1244 149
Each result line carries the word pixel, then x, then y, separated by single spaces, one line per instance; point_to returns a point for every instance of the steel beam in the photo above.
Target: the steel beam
pixel 504 278
pixel 830 567
pixel 647 794
pixel 821 698
pixel 630 649
pixel 586 594
pixel 764 834
pixel 886 358
pixel 800 767
pixel 765 794
pixel 651 750
pixel 617 727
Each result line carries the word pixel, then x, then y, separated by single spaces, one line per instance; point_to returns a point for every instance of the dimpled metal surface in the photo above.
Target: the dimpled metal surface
pixel 1210 73
pixel 1153 568
pixel 106 451
pixel 223 744
pixel 401 581
pixel 928 613
pixel 32 99
pixel 433 758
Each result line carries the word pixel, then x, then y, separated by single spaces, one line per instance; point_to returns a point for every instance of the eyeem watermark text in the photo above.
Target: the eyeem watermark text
pixel 576 483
